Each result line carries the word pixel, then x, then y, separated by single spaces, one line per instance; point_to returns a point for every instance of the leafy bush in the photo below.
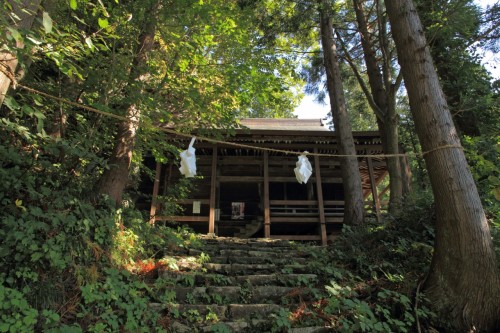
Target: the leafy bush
pixel 117 302
pixel 370 274
pixel 16 315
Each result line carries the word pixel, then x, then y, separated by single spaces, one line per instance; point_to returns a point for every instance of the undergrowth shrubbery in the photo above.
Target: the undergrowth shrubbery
pixel 371 274
pixel 64 252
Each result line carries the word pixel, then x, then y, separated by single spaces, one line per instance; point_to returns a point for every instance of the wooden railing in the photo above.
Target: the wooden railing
pixel 281 211
pixel 305 211
pixel 188 218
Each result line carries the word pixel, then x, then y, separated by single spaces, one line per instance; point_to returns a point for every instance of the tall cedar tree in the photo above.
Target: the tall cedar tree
pixel 114 179
pixel 382 97
pixel 463 282
pixel 354 210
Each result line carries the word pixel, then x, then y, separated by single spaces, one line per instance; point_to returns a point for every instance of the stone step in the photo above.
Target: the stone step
pixel 254 325
pixel 254 241
pixel 239 269
pixel 256 260
pixel 213 279
pixel 247 251
pixel 241 285
pixel 277 279
pixel 251 326
pixel 237 294
pixel 245 269
pixel 228 312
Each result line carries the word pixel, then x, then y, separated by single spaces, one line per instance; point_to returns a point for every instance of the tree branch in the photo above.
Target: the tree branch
pixel 361 82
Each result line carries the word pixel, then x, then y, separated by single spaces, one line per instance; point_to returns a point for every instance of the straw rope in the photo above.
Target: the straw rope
pixel 234 144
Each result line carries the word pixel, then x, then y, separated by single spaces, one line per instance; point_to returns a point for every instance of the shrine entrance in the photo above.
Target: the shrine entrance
pixel 237 185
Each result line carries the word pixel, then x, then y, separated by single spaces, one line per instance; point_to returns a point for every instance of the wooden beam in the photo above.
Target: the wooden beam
pixel 183 218
pixel 334 202
pixel 156 187
pixel 325 145
pixel 294 202
pixel 330 180
pixel 213 188
pixel 307 202
pixel 190 201
pixel 384 191
pixel 294 219
pixel 319 193
pixel 338 220
pixel 240 179
pixel 376 202
pixel 267 211
pixel 277 179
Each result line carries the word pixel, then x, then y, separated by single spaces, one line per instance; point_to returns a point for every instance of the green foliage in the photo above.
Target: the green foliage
pixel 353 314
pixel 483 156
pixel 117 301
pixel 220 328
pixel 16 315
pixel 281 321
pixel 449 26
pixel 370 274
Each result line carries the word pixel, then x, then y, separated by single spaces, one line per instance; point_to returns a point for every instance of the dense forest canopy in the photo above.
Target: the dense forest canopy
pixel 87 86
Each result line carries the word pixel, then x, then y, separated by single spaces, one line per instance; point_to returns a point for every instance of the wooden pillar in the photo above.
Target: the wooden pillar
pixel 319 193
pixel 167 179
pixel 156 187
pixel 373 185
pixel 267 209
pixel 213 192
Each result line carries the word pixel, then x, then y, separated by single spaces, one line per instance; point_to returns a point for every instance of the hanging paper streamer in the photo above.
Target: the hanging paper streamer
pixel 303 170
pixel 188 161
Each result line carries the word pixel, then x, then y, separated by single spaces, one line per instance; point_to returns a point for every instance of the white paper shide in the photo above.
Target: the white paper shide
pixel 188 161
pixel 303 169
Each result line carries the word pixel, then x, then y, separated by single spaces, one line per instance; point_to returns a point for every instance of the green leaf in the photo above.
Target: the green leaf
pixel 103 22
pixel 39 125
pixel 11 103
pixel 15 34
pixel 39 114
pixel 73 4
pixel 47 22
pixel 4 327
pixel 38 100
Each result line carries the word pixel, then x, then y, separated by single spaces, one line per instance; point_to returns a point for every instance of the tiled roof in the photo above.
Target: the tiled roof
pixel 284 124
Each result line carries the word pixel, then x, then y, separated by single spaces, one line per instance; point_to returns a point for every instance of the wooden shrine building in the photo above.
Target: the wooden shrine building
pixel 245 192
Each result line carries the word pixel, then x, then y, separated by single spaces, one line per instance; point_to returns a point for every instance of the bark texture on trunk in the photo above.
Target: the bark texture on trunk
pixel 385 106
pixel 114 180
pixel 463 283
pixel 354 210
pixel 25 11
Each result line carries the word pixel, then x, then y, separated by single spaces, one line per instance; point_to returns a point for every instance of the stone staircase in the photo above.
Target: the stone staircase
pixel 241 285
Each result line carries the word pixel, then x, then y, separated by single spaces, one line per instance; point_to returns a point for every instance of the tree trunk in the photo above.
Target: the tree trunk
pixel 25 11
pixel 463 283
pixel 354 210
pixel 387 118
pixel 114 179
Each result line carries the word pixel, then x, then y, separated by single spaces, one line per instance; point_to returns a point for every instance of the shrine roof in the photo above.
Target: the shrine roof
pixel 284 124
